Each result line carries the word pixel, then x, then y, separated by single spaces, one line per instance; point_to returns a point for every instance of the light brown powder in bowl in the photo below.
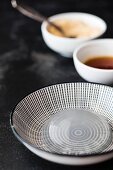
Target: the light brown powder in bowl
pixel 74 28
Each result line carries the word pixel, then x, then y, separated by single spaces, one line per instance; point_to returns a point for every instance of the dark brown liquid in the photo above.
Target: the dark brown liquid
pixel 101 62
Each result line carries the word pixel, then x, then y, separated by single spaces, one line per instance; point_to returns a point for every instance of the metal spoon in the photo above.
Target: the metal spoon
pixel 31 13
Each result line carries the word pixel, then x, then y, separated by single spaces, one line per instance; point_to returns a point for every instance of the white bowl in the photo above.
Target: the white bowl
pixel 68 123
pixel 102 47
pixel 65 46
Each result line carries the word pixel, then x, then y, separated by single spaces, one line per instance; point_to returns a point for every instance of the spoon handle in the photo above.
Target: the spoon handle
pixel 27 11
pixel 31 13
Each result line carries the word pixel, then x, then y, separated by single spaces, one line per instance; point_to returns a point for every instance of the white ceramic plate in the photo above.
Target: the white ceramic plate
pixel 67 123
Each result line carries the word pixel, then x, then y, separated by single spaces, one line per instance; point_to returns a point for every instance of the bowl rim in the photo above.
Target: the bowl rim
pixel 44 26
pixel 85 44
pixel 44 151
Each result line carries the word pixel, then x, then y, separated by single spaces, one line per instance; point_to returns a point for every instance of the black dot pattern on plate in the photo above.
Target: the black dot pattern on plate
pixel 76 132
pixel 71 118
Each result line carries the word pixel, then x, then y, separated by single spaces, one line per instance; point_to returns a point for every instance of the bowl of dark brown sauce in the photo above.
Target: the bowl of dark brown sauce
pixel 94 61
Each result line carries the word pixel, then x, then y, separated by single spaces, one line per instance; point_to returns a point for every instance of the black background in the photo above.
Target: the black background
pixel 26 64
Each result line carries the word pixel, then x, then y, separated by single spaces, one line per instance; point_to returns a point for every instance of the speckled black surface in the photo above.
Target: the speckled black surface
pixel 26 64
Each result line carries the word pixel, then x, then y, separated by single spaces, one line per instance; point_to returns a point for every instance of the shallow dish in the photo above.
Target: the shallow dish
pixel 65 46
pixel 67 123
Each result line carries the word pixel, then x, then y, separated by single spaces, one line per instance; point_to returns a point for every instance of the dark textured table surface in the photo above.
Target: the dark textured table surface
pixel 26 64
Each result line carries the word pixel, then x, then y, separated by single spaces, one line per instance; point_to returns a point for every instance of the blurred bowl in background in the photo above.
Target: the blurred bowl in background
pixel 94 49
pixel 66 45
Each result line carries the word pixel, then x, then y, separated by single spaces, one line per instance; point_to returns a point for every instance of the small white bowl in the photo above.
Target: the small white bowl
pixel 102 47
pixel 65 46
